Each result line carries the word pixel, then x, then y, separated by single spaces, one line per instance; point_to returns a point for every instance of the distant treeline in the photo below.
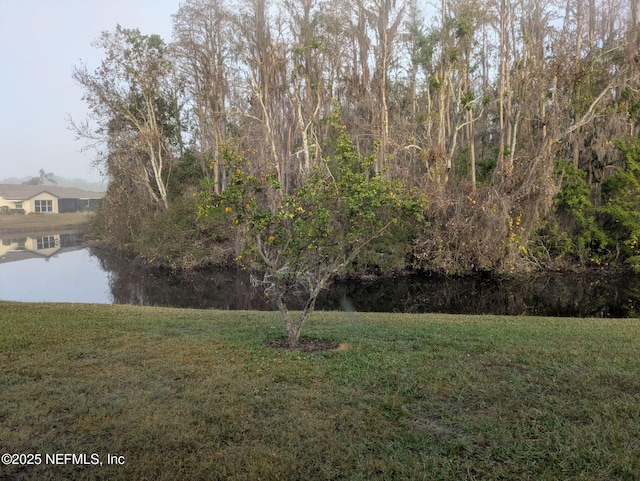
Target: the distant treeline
pixel 60 181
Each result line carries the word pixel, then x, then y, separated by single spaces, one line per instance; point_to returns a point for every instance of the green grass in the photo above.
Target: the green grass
pixel 187 394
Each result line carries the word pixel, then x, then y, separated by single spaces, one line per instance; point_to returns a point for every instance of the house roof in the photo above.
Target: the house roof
pixel 24 192
pixel 14 256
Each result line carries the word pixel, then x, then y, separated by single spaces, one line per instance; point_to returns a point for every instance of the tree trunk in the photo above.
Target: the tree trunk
pixel 294 325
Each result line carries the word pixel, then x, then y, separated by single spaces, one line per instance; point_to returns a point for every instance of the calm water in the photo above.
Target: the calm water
pixel 54 269
pixel 70 276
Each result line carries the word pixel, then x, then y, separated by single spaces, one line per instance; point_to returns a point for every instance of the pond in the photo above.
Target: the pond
pixel 51 268
pixel 58 268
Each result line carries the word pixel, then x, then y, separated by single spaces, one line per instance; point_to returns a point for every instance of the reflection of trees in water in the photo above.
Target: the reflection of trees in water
pixel 219 288
pixel 583 295
pixel 211 289
pixel 577 295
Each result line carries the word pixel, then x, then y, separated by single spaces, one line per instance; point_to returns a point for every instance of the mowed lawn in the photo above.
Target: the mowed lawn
pixel 196 395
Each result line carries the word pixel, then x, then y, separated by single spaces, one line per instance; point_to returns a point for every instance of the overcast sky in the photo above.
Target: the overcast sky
pixel 40 43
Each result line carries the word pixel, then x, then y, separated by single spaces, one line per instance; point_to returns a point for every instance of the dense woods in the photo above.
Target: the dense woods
pixel 516 120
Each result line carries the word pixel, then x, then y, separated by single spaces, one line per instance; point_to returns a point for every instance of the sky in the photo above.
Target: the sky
pixel 41 41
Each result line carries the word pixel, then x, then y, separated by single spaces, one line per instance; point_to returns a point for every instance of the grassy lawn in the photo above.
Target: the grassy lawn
pixel 15 224
pixel 187 394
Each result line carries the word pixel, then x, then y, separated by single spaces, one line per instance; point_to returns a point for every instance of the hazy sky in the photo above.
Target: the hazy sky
pixel 40 43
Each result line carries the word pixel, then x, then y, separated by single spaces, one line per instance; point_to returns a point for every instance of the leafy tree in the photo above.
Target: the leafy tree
pixel 132 98
pixel 574 227
pixel 303 239
pixel 621 194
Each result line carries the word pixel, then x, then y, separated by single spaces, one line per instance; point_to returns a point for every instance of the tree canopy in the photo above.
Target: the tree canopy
pixel 302 239
pixel 512 117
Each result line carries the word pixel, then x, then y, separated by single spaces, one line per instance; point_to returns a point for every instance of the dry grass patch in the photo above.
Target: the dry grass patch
pixel 44 223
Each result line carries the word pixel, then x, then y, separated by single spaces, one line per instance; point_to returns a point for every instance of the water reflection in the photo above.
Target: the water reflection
pixel 50 268
pixel 72 273
pixel 540 295
pixel 216 288
pixel 22 247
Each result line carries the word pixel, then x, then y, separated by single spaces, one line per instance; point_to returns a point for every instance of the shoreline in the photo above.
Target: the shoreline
pixel 42 223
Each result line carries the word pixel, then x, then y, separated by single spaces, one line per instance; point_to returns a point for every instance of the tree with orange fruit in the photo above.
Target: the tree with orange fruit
pixel 302 239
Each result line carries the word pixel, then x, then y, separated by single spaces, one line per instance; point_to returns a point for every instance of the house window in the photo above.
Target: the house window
pixel 43 205
pixel 46 242
pixel 18 205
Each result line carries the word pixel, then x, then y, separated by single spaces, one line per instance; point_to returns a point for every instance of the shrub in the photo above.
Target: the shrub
pixel 621 209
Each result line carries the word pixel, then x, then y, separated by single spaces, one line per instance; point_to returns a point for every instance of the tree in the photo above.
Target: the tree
pixel 302 240
pixel 132 99
pixel 42 179
pixel 471 101
pixel 622 205
pixel 202 47
pixel 386 29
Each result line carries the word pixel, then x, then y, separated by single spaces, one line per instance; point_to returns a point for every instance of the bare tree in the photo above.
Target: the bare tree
pixel 202 45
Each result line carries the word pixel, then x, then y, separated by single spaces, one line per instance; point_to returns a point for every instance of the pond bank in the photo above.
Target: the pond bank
pixel 42 223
